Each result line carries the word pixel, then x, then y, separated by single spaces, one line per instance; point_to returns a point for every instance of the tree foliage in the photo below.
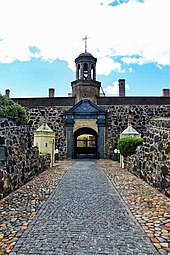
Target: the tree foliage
pixel 11 110
pixel 128 145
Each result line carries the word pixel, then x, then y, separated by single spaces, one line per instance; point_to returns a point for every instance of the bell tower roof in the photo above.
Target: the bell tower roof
pixel 85 54
pixel 86 57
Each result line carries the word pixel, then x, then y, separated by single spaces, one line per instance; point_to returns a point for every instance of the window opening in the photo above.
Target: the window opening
pixel 85 71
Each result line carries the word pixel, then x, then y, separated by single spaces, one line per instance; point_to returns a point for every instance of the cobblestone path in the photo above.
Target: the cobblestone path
pixel 84 215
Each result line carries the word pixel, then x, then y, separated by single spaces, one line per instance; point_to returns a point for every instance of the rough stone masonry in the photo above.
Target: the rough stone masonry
pixel 152 160
pixel 23 161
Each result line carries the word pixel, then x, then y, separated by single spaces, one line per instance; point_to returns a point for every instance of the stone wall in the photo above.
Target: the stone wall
pixel 117 119
pixel 141 109
pixel 23 160
pixel 55 118
pixel 152 160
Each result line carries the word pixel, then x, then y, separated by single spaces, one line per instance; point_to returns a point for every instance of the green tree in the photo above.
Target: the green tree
pixel 11 110
pixel 128 145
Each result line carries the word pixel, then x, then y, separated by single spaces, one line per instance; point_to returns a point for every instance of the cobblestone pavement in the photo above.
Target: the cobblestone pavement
pixel 19 208
pixel 84 215
pixel 149 206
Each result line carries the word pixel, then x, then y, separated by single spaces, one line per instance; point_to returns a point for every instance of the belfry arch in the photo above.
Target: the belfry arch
pixel 85 84
pixel 85 67
pixel 85 143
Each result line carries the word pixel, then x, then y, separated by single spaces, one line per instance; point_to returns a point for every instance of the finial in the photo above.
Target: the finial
pixel 129 120
pixel 85 39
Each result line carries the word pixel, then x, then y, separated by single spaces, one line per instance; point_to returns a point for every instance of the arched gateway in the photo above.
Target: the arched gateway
pixel 85 143
pixel 85 123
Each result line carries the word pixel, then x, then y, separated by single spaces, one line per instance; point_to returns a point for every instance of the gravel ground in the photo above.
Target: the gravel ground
pixel 150 207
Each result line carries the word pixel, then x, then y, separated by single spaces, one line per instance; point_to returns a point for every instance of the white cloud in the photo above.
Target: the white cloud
pixel 134 60
pixel 106 65
pixel 114 88
pixel 56 28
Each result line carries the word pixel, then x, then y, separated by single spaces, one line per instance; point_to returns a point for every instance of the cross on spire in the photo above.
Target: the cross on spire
pixel 85 39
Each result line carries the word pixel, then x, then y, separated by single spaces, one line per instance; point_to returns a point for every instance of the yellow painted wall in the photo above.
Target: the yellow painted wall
pixel 88 123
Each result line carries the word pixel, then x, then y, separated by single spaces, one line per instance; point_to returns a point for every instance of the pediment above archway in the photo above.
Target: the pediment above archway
pixel 85 107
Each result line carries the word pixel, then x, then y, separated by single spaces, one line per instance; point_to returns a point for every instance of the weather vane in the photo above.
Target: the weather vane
pixel 85 39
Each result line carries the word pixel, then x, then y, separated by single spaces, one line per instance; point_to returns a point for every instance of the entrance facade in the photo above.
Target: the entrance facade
pixel 85 143
pixel 85 130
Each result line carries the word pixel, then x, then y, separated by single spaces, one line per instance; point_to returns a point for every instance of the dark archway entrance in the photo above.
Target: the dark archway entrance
pixel 85 143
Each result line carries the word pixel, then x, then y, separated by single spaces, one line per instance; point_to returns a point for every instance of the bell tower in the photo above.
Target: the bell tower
pixel 85 85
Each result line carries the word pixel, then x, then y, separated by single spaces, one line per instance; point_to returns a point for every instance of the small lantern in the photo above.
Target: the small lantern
pixel 130 131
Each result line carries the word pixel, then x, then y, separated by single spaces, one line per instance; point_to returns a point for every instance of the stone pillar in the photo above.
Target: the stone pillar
pixel 81 72
pixel 94 73
pixel 121 87
pixel 7 93
pixel 51 92
pixel 100 143
pixel 89 72
pixel 77 72
pixel 70 138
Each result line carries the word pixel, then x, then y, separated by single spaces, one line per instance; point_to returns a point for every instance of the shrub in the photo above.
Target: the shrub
pixel 128 145
pixel 11 110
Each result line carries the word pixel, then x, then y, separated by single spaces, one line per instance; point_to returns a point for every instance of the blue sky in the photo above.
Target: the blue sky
pixel 39 41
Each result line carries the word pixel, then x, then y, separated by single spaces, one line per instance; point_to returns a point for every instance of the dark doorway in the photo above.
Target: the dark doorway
pixel 85 143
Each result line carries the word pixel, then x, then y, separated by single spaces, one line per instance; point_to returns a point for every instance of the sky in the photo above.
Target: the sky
pixel 40 39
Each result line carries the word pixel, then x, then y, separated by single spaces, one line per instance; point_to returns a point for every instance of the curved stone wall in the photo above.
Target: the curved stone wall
pixel 152 160
pixel 23 160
